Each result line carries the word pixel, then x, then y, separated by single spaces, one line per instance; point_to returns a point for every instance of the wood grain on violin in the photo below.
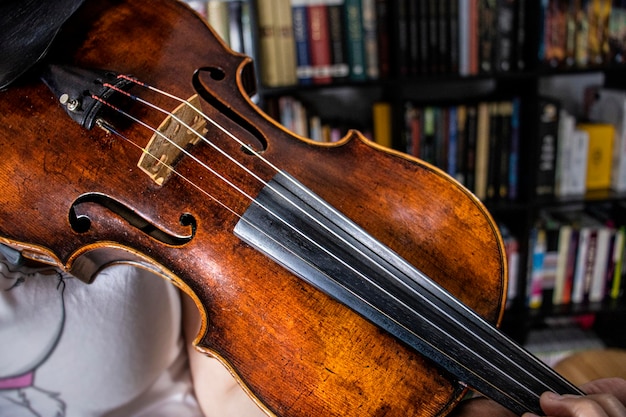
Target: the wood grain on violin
pixel 74 196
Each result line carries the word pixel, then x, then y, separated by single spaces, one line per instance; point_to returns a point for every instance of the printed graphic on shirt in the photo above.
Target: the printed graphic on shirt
pixel 35 334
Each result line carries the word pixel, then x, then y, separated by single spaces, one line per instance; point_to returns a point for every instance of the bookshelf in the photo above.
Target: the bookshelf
pixel 424 63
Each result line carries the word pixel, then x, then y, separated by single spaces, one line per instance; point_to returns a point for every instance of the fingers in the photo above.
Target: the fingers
pixel 615 386
pixel 593 405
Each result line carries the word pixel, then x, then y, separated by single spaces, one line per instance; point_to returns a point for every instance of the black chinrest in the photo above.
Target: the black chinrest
pixel 27 27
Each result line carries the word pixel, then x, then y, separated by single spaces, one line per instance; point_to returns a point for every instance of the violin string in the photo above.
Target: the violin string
pixel 111 129
pixel 467 310
pixel 225 154
pixel 230 158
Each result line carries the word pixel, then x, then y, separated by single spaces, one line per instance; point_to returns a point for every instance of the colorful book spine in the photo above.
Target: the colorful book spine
pixel 304 69
pixel 355 40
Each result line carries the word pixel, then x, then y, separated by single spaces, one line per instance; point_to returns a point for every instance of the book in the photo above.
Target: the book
pixel 268 44
pixel 617 33
pixel 615 278
pixel 471 128
pixel 505 132
pixel 383 29
pixel 505 39
pixel 487 29
pixel 382 123
pixel 519 50
pixel 567 124
pixel 548 130
pixel 304 69
pixel 319 42
pixel 431 21
pixel 413 120
pixel 277 49
pixel 598 12
pixel 599 280
pixel 217 17
pixel 514 149
pixel 552 227
pixel 582 34
pixel 370 38
pixel 561 279
pixel 355 45
pixel 464 37
pixel 429 135
pixel 454 19
pixel 461 139
pixel 590 239
pixel 599 160
pixel 570 33
pixel 452 134
pixel 555 32
pixel 537 249
pixel 609 106
pixel 482 150
pixel 340 70
pixel 285 42
pixel 412 29
pixel 511 247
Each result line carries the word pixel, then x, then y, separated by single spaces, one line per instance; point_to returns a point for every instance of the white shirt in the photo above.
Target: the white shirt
pixel 111 348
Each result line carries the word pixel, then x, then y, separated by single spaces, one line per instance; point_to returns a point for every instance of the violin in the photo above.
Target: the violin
pixel 340 279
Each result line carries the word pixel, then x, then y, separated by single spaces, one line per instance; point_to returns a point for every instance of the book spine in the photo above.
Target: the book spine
pixel 286 43
pixel 383 29
pixel 340 70
pixel 413 34
pixel 506 10
pixel 514 149
pixel 598 286
pixel 482 151
pixel 548 120
pixel 618 258
pixel 355 41
pixel 452 141
pixel 235 30
pixel 268 47
pixel 535 283
pixel 520 36
pixel 565 237
pixel 382 123
pixel 487 34
pixel 319 42
pixel 453 36
pixel 304 69
pixel 217 17
pixel 424 34
pixel 578 284
pixel 370 39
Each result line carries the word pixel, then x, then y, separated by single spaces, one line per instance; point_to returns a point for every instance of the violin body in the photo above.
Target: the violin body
pixel 75 198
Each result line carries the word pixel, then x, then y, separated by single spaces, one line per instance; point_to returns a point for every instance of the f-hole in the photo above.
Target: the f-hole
pixel 82 223
pixel 217 74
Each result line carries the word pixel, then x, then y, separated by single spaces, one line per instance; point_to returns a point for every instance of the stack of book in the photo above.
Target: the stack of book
pixel 476 143
pixel 575 256
pixel 232 20
pixel 590 152
pixel 582 33
pixel 360 40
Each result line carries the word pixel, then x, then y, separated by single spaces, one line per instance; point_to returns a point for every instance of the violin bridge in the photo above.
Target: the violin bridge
pixel 184 127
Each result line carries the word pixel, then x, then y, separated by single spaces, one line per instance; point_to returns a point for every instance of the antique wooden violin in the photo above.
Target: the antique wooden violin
pixel 334 280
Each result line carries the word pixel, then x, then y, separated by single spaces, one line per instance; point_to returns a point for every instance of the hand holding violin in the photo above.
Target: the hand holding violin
pixel 606 398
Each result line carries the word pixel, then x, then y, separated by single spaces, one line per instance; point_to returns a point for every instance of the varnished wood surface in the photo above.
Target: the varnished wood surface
pixel 299 352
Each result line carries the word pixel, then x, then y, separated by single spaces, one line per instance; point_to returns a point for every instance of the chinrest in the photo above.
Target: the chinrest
pixel 27 27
